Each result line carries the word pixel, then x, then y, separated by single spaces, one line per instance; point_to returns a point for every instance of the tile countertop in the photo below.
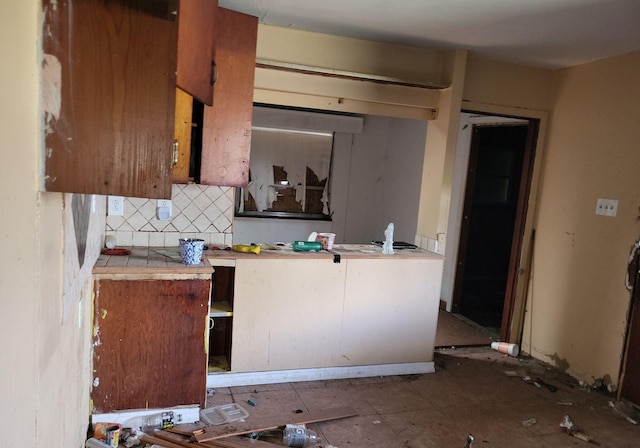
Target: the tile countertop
pixel 347 251
pixel 155 262
pixel 165 261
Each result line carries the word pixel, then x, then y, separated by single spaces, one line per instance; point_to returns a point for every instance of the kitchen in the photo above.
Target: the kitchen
pixel 365 186
pixel 50 360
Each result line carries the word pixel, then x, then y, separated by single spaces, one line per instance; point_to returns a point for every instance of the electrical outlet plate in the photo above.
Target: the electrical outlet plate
pixel 163 209
pixel 607 207
pixel 115 206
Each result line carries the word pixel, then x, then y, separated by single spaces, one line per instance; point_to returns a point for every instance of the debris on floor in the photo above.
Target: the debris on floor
pixel 618 407
pixel 551 387
pixel 571 429
pixel 469 443
pixel 231 428
pixel 529 422
pixel 299 436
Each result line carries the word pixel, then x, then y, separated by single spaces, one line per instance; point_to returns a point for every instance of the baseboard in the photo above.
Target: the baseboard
pixel 181 414
pixel 230 379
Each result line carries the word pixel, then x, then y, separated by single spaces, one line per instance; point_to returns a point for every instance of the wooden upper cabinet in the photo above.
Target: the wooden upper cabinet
pixel 197 47
pixel 226 133
pixel 109 79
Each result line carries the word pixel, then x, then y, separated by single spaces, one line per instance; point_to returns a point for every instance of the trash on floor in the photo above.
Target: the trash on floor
pixel 299 436
pixel 506 348
pixel 469 443
pixel 617 407
pixel 226 413
pixel 551 387
pixel 529 422
pixel 233 424
pixel 571 429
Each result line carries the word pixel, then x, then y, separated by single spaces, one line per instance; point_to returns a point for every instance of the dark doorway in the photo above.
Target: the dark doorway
pixel 492 223
pixel 630 378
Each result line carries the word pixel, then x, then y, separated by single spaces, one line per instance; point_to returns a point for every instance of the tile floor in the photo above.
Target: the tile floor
pixel 473 391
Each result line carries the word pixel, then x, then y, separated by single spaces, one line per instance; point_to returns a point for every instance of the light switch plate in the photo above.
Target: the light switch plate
pixel 607 207
pixel 115 206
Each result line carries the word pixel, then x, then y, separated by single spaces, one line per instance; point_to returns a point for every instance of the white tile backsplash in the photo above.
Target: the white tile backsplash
pixel 199 211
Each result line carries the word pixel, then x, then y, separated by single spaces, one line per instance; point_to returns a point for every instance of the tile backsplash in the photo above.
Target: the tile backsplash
pixel 198 211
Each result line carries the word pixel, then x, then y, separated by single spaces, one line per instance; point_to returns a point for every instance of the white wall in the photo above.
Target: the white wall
pixel 376 180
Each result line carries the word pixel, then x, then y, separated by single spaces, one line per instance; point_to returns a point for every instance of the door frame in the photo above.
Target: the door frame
pixel 483 113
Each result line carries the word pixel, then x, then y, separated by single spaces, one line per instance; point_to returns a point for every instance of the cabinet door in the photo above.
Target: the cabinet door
pixel 196 48
pixel 287 314
pixel 109 75
pixel 149 343
pixel 183 131
pixel 226 139
pixel 390 310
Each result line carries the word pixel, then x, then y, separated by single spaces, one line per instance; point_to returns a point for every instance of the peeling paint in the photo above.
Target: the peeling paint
pixel 572 236
pixel 277 149
pixel 560 363
pixel 51 90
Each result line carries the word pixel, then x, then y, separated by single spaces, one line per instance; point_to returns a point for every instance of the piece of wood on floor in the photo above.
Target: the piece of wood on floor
pixel 240 428
pixel 237 442
pixel 178 439
pixel 188 429
pixel 161 442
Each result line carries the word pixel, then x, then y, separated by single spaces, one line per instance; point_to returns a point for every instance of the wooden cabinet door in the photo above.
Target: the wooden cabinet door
pixel 226 138
pixel 196 48
pixel 183 131
pixel 149 343
pixel 109 78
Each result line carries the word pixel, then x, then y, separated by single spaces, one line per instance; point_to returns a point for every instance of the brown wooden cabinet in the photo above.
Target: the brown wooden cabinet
pixel 226 126
pixel 149 343
pixel 109 83
pixel 197 48
pixel 110 68
pixel 226 134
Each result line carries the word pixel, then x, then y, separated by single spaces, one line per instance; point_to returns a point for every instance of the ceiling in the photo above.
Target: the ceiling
pixel 540 33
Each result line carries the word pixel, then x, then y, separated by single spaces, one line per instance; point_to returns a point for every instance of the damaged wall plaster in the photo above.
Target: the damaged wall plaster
pixel 294 151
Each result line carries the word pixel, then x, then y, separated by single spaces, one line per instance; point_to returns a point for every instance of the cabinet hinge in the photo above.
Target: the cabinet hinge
pixel 175 153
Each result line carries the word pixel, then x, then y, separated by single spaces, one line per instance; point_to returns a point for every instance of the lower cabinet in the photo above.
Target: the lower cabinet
pixel 149 342
pixel 300 314
pixel 221 319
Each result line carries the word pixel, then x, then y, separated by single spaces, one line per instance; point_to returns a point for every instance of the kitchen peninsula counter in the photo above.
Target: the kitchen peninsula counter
pixel 299 316
pixel 307 315
pixel 347 251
